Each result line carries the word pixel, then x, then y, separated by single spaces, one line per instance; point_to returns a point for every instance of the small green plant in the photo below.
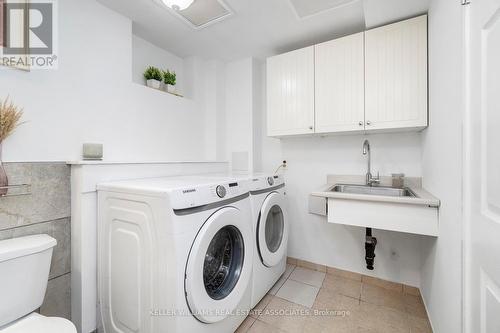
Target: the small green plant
pixel 169 77
pixel 153 73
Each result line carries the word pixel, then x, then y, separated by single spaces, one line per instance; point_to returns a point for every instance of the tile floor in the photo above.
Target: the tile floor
pixel 306 300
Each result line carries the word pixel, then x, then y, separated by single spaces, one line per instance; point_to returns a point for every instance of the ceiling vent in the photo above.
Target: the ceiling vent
pixel 306 8
pixel 202 13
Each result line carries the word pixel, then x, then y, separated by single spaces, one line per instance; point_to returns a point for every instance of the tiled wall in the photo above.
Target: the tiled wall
pixel 45 211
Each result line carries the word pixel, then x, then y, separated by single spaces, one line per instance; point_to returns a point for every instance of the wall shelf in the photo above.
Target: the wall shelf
pixel 15 190
pixel 165 91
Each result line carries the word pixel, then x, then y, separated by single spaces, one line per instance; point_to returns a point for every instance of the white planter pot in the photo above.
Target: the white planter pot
pixel 171 88
pixel 155 84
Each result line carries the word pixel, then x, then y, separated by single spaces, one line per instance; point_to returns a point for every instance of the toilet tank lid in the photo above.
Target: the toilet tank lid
pixel 23 246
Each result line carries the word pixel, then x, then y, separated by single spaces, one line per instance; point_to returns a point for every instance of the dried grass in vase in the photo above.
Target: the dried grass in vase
pixel 10 116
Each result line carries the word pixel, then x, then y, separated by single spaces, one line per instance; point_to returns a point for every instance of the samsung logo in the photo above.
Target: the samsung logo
pixel 189 191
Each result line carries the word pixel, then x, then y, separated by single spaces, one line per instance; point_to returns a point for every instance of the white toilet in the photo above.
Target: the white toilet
pixel 24 271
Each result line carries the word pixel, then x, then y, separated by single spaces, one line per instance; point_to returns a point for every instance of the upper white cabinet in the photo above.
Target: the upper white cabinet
pixel 339 90
pixel 396 75
pixel 290 93
pixel 371 81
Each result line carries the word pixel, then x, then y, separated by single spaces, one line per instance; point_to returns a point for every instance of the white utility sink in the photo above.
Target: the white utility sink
pixel 346 200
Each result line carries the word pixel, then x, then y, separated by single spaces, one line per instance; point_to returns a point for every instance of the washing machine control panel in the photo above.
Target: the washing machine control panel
pixel 229 190
pixel 266 182
pixel 201 195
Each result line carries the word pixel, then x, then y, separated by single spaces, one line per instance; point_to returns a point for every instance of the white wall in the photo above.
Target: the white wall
pixel 214 108
pixel 243 114
pixel 258 94
pixel 442 167
pixel 91 98
pixel 145 54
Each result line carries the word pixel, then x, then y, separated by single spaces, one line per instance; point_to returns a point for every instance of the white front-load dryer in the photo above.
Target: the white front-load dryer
pixel 271 229
pixel 175 255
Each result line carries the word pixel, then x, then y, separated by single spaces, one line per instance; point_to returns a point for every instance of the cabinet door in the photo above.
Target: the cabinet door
pixel 290 93
pixel 396 75
pixel 339 68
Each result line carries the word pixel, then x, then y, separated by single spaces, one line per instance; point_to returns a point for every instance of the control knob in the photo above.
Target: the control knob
pixel 221 191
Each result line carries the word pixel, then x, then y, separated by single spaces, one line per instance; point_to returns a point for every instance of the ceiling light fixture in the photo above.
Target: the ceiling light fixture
pixel 178 4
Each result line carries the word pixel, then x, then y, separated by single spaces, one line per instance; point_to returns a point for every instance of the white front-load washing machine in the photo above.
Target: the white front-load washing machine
pixel 175 255
pixel 270 227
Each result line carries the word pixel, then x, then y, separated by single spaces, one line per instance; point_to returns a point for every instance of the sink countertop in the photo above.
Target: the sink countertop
pixel 413 183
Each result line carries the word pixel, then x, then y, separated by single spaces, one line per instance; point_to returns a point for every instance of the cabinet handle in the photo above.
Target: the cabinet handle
pixel 310 127
pixel 360 123
pixel 368 123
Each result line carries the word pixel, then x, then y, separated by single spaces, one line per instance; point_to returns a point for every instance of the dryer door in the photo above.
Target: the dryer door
pixel 272 230
pixel 219 266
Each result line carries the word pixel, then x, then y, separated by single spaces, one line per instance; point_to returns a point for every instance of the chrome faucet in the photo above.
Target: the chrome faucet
pixel 370 180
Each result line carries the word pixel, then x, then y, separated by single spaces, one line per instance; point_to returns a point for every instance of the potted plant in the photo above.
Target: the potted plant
pixel 170 78
pixel 10 116
pixel 153 77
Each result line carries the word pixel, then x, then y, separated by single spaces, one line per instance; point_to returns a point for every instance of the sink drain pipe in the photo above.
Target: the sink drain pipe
pixel 370 244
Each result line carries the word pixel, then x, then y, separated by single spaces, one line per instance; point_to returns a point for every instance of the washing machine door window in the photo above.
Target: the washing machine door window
pixel 275 225
pixel 223 262
pixel 272 230
pixel 219 265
